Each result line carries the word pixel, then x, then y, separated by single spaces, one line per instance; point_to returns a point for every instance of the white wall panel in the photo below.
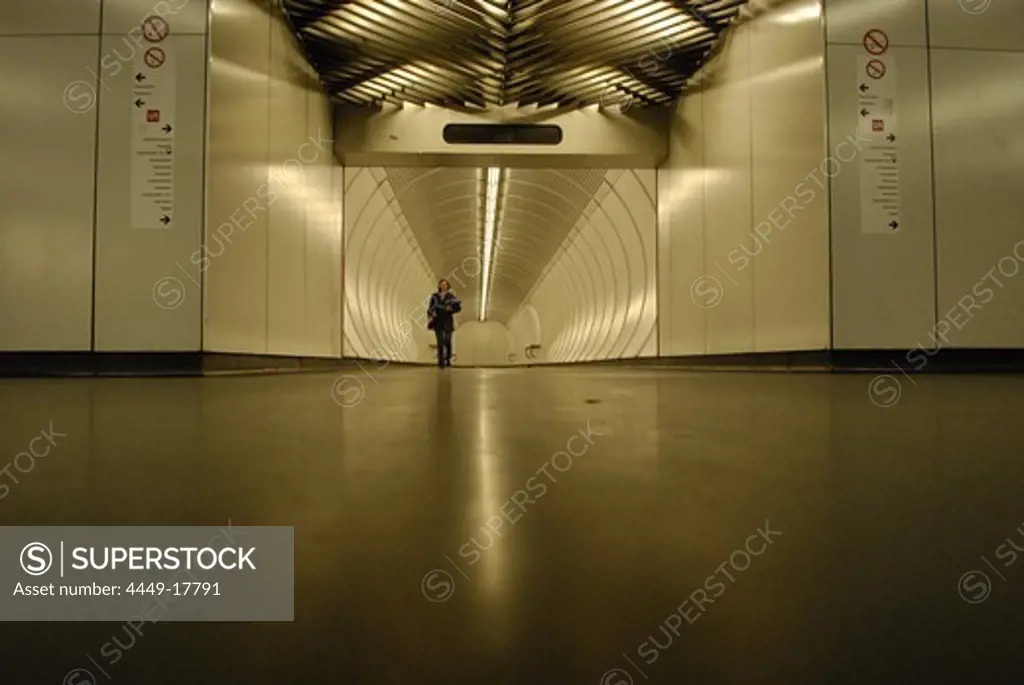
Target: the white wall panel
pixel 274 286
pixel 681 209
pixel 729 209
pixel 49 17
pixel 979 158
pixel 387 281
pixel 181 16
pixel 47 187
pixel 323 238
pixel 596 298
pixel 883 285
pixel 286 237
pixel 147 284
pixel 977 24
pixel 902 20
pixel 235 314
pixel 791 272
pixel 742 274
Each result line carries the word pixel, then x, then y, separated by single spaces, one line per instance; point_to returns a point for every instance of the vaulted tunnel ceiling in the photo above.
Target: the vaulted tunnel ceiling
pixel 479 54
pixel 538 209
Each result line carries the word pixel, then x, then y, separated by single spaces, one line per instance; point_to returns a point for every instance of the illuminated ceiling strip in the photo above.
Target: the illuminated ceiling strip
pixel 490 237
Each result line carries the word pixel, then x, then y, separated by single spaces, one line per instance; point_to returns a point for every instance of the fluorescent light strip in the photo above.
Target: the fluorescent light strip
pixel 490 237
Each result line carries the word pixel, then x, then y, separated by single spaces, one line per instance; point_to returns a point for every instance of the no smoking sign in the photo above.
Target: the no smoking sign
pixel 155 58
pixel 155 29
pixel 876 69
pixel 876 42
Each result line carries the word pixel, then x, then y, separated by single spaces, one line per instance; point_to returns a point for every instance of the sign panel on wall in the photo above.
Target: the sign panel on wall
pixel 152 129
pixel 877 114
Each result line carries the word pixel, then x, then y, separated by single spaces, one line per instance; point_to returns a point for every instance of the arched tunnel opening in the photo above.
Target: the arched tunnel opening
pixel 551 265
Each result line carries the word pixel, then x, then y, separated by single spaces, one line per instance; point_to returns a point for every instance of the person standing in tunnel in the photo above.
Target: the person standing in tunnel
pixel 441 318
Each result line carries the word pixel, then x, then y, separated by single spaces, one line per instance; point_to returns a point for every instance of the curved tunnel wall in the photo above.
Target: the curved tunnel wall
pixel 386 276
pixel 597 298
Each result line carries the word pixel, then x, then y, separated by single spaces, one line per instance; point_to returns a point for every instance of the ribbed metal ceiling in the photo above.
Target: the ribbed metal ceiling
pixel 539 207
pixel 491 53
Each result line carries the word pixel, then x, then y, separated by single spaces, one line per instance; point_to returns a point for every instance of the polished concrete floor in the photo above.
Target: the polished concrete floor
pixel 873 514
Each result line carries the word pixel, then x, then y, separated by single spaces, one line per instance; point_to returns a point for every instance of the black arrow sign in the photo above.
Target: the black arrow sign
pixel 167 128
pixel 864 112
pixel 891 138
pixel 894 225
pixel 139 102
pixel 140 77
pixel 864 87
pixel 165 219
pixel 168 151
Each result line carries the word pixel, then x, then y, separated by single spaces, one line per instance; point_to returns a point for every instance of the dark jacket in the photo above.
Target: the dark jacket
pixel 444 320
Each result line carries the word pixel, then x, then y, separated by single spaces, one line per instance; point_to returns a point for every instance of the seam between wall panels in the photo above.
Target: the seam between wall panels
pixel 753 199
pixel 96 183
pixel 269 158
pixel 704 205
pixel 828 196
pixel 205 196
pixel 931 165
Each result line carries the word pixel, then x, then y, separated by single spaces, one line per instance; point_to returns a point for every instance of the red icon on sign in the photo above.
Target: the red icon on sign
pixel 153 116
pixel 876 42
pixel 878 125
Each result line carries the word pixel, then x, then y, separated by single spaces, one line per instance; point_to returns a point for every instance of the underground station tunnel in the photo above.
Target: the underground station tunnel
pixel 511 342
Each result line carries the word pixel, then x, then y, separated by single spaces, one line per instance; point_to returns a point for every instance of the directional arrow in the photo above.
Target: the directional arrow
pixel 165 219
pixel 140 77
pixel 864 112
pixel 894 225
pixel 891 138
pixel 139 102
pixel 167 128
pixel 864 87
pixel 168 151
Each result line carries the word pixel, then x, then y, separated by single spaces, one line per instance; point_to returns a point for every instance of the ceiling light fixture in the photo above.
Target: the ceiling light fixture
pixel 490 237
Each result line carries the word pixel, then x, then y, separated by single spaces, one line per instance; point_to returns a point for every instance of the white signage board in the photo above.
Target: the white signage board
pixel 152 129
pixel 878 114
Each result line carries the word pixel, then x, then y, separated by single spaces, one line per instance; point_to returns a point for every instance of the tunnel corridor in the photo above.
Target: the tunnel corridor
pixel 737 361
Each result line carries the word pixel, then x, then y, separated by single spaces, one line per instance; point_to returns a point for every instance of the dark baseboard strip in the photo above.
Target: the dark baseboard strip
pixel 75 364
pixel 185 364
pixel 166 364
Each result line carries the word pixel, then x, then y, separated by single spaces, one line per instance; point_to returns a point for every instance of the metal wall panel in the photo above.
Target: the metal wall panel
pixel 883 285
pixel 979 161
pixel 148 294
pixel 749 134
pixel 976 24
pixel 47 187
pixel 50 17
